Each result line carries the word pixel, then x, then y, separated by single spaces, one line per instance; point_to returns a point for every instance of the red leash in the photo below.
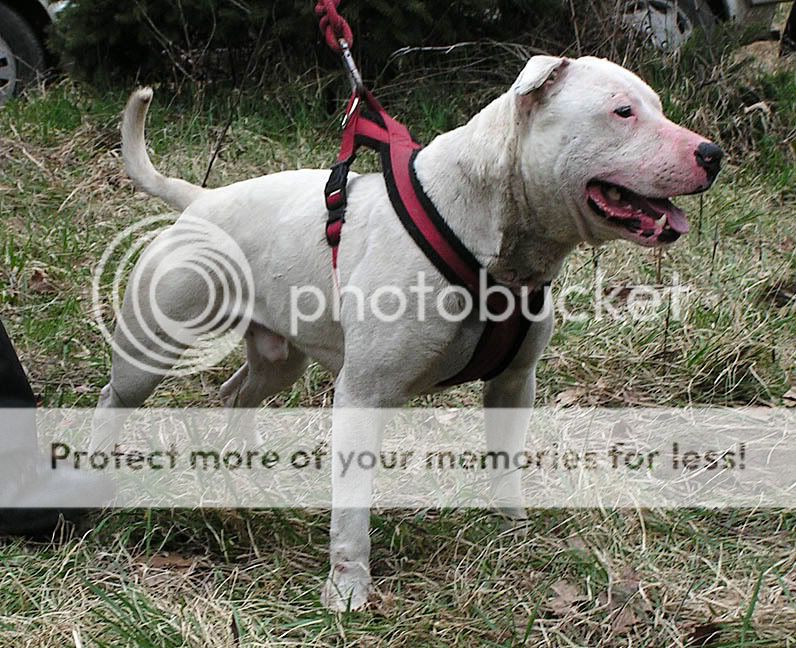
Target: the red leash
pixel 334 27
pixel 366 123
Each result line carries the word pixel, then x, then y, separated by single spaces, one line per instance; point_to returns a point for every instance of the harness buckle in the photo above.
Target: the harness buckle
pixel 336 201
pixel 335 189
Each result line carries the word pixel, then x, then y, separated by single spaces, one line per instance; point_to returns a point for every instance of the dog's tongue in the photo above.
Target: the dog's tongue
pixel 674 215
pixel 622 204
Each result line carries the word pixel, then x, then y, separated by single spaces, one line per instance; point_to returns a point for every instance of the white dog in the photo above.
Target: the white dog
pixel 576 150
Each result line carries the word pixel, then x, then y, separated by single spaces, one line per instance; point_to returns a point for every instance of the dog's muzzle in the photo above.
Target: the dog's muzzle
pixel 708 156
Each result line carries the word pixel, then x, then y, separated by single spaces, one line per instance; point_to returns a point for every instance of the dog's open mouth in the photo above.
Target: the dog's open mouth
pixel 648 221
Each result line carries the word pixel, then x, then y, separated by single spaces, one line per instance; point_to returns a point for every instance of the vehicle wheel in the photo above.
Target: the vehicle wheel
pixel 21 53
pixel 668 24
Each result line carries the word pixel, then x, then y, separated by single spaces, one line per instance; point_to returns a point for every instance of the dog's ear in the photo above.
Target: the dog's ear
pixel 539 74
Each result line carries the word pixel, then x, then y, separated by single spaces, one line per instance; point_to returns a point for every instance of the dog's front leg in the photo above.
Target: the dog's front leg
pixel 508 400
pixel 356 433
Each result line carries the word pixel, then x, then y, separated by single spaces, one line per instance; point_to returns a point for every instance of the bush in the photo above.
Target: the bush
pixel 217 40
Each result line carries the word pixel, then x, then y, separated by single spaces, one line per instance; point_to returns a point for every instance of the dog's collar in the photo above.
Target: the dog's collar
pixel 371 126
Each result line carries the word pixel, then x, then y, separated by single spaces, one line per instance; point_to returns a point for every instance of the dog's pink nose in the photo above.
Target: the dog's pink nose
pixel 708 156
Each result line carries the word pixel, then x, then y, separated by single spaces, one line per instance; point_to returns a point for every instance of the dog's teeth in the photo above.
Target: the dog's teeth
pixel 661 221
pixel 613 193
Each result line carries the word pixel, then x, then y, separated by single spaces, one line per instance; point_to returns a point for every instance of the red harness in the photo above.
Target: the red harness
pixel 370 125
pixel 374 128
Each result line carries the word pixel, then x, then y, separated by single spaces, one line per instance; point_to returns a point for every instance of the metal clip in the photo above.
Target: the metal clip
pixel 351 111
pixel 351 68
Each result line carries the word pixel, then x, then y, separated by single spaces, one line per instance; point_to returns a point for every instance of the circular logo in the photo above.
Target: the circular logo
pixel 188 299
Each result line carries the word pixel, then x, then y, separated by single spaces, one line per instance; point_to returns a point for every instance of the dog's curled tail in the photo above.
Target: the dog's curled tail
pixel 177 193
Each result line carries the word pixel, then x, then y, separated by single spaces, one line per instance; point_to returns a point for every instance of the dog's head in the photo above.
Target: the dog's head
pixel 593 137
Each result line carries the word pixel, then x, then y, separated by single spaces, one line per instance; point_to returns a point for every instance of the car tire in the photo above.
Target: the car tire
pixel 668 24
pixel 22 58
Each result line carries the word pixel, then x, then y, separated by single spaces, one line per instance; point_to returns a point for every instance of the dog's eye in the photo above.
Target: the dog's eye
pixel 624 112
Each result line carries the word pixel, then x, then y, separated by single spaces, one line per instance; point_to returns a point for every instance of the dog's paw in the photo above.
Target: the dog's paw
pixel 347 587
pixel 512 513
pixel 512 518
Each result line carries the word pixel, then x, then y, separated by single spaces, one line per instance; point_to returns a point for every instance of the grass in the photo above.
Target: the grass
pixel 571 578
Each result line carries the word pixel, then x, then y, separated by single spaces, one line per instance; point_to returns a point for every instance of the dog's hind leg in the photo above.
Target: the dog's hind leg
pixel 148 344
pixel 272 364
pixel 133 379
pixel 156 324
